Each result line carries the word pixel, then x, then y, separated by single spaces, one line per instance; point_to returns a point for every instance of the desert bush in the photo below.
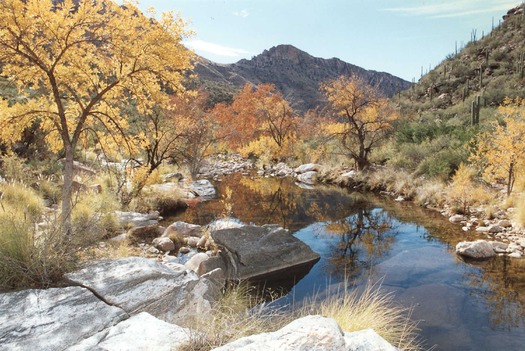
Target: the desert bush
pixel 164 201
pixel 93 217
pixel 463 192
pixel 430 193
pixel 34 253
pixel 14 169
pixel 19 197
pixel 29 256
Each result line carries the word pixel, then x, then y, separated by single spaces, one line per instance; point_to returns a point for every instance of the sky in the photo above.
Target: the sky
pixel 396 36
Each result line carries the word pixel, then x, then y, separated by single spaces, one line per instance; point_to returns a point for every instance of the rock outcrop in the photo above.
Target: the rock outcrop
pixel 312 333
pixel 53 319
pixel 134 284
pixel 140 332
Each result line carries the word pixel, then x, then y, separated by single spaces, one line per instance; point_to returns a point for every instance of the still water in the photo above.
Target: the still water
pixel 460 305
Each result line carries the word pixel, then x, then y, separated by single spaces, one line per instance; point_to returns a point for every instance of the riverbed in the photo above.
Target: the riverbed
pixel 362 237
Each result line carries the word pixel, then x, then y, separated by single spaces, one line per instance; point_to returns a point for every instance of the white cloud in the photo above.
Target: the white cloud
pixel 242 13
pixel 214 49
pixel 449 9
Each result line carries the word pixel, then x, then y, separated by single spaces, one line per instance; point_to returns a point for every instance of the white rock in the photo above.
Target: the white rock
pixel 479 249
pixel 513 247
pixel 308 177
pixel 350 174
pixel 226 223
pixel 312 333
pixel 138 284
pixel 195 262
pixel 483 229
pixel 140 332
pixel 53 319
pixel 516 255
pixel 307 168
pixel 203 188
pixel 457 218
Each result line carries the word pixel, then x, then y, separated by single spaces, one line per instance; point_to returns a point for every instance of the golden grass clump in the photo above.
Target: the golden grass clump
pixel 22 198
pixel 237 314
pixel 93 217
pixel 370 309
pixel 34 253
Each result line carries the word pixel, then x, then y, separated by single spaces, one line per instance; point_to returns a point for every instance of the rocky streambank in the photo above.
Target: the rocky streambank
pixel 138 303
pixel 506 236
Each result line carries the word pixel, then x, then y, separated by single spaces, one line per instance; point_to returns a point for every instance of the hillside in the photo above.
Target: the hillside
pixel 294 72
pixel 491 67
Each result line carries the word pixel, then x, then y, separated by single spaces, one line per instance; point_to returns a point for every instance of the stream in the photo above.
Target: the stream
pixel 360 237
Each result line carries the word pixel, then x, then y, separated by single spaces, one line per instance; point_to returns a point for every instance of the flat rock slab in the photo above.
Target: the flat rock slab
pixel 312 333
pixel 53 319
pixel 137 284
pixel 140 332
pixel 258 251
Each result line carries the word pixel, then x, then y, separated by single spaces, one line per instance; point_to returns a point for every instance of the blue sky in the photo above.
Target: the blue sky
pixel 394 36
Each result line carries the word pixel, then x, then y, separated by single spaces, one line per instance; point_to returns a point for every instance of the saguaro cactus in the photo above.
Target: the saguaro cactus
pixel 474 110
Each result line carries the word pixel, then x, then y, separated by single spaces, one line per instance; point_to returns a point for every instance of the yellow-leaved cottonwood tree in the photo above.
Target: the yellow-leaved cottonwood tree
pixel 82 62
pixel 500 153
pixel 363 117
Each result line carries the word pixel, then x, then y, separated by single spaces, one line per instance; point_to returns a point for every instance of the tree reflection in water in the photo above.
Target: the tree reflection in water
pixel 364 237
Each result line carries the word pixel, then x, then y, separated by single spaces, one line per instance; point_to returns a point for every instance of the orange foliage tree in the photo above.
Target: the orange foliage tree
pixel 363 118
pixel 258 120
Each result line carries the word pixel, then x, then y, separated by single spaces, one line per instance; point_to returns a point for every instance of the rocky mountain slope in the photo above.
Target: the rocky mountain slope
pixel 490 66
pixel 295 73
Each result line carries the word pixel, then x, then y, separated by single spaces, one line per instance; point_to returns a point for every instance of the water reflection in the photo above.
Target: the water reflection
pixel 463 306
pixel 361 239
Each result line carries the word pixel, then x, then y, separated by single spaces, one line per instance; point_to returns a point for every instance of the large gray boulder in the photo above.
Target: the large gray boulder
pixel 479 249
pixel 251 252
pixel 53 319
pixel 311 333
pixel 135 284
pixel 140 332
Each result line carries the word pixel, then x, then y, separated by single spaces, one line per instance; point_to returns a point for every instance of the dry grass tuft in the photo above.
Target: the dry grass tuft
pixel 370 309
pixel 237 314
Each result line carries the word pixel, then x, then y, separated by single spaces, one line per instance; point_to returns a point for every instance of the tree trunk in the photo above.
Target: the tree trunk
pixel 67 206
pixel 510 181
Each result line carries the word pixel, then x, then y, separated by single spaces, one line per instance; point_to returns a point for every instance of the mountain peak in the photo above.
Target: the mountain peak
pixel 295 73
